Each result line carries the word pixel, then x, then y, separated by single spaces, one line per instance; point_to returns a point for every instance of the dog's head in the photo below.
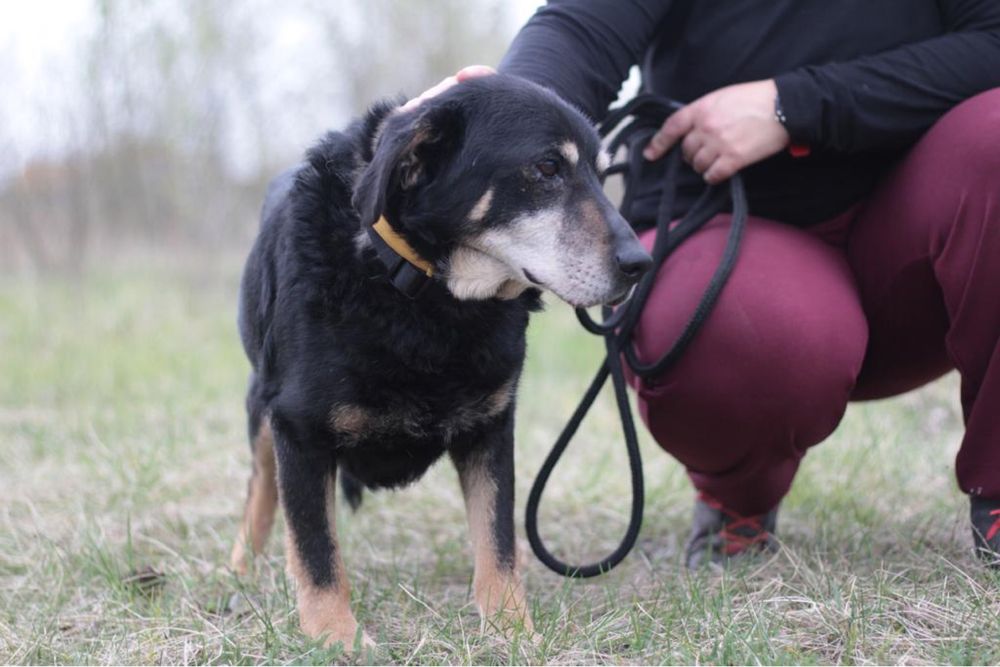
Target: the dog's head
pixel 496 182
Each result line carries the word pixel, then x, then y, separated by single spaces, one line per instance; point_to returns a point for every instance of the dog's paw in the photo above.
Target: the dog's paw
pixel 511 621
pixel 239 559
pixel 336 628
pixel 350 641
pixel 511 626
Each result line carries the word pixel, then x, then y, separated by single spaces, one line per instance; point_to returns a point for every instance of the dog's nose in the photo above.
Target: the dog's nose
pixel 633 261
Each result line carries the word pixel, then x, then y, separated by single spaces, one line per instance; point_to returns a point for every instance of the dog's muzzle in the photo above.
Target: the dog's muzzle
pixel 633 260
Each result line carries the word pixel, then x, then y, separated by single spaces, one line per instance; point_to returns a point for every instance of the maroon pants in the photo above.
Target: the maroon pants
pixel 878 301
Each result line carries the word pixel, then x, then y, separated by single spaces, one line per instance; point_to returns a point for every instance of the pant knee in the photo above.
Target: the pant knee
pixel 771 370
pixel 967 137
pixel 720 409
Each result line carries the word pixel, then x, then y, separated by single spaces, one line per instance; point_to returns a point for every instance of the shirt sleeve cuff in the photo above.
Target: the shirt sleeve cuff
pixel 802 104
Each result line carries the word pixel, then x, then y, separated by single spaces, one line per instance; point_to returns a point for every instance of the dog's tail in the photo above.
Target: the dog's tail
pixel 351 488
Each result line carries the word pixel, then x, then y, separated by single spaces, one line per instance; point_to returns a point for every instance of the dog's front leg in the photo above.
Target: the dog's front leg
pixel 308 493
pixel 486 472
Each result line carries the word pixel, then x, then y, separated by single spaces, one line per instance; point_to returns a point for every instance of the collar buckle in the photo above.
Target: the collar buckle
pixel 404 268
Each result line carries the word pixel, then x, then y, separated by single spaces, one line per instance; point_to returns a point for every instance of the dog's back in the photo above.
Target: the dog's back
pixel 272 258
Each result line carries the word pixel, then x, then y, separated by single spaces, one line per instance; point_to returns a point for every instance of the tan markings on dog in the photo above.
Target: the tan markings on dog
pixel 356 422
pixel 592 223
pixel 497 587
pixel 262 501
pixel 324 611
pixel 350 419
pixel 603 161
pixel 570 152
pixel 475 275
pixel 482 206
pixel 477 410
pixel 498 401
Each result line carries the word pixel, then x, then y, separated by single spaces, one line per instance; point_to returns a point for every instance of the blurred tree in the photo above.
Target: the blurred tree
pixel 176 113
pixel 389 47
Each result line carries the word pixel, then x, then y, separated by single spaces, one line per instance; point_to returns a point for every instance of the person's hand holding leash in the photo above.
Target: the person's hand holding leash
pixel 724 131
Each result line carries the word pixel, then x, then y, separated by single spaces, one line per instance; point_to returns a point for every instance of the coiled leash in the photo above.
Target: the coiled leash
pixel 647 114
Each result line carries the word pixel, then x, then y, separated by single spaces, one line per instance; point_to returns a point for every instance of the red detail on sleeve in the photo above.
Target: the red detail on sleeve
pixel 799 150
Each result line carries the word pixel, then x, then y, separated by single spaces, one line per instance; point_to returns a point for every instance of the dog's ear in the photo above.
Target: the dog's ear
pixel 410 152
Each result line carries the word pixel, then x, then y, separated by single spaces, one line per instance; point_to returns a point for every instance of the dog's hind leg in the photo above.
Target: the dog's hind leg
pixel 307 480
pixel 486 472
pixel 262 493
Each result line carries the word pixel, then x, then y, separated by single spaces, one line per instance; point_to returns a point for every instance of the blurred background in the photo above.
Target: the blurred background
pixel 131 126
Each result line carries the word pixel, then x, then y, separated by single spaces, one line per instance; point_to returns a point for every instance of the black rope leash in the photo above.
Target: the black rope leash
pixel 647 114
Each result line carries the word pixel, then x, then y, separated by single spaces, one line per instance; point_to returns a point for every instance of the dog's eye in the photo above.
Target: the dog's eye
pixel 547 168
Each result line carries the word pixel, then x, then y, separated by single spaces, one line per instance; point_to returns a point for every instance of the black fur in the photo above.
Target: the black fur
pixel 352 489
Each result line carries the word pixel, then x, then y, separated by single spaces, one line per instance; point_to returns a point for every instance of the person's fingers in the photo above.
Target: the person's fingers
pixel 436 89
pixel 464 74
pixel 472 71
pixel 704 158
pixel 674 127
pixel 692 143
pixel 720 170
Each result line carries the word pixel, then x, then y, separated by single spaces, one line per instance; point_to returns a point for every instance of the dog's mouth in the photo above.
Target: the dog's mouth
pixel 620 298
pixel 531 277
pixel 615 299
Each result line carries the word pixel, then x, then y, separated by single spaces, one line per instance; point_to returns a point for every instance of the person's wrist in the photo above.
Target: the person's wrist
pixel 794 149
pixel 779 112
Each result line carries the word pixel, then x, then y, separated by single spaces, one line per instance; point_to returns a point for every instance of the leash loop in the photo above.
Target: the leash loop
pixel 647 113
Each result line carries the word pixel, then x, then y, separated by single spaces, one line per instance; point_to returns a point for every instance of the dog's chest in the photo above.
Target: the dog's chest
pixel 418 418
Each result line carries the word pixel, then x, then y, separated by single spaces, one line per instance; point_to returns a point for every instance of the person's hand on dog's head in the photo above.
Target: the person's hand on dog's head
pixel 464 74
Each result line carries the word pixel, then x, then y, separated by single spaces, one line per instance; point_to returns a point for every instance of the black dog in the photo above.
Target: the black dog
pixel 384 307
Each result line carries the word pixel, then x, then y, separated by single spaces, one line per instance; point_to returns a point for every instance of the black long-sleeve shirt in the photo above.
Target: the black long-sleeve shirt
pixel 859 80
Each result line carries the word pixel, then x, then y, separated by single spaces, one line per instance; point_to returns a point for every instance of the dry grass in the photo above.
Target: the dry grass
pixel 122 448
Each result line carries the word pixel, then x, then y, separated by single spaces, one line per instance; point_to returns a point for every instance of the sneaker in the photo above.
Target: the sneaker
pixel 719 535
pixel 985 517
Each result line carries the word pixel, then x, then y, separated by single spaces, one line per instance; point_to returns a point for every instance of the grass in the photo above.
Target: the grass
pixel 122 450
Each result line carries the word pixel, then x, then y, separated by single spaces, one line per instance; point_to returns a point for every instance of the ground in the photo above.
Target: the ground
pixel 123 465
